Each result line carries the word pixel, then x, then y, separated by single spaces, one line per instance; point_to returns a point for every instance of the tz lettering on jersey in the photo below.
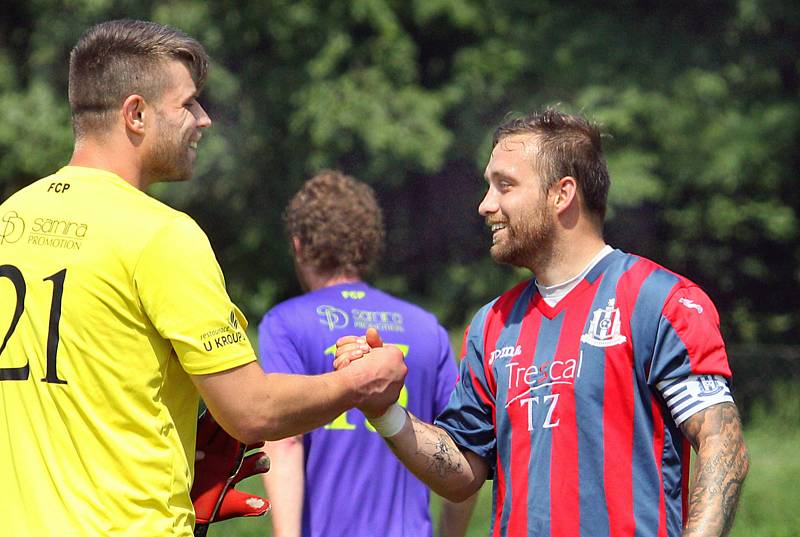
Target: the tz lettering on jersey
pixel 562 401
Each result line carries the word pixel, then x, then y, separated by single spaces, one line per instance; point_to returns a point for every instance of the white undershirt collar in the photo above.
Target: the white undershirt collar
pixel 552 294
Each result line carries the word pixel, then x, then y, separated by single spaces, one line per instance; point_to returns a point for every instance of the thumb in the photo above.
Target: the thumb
pixel 373 338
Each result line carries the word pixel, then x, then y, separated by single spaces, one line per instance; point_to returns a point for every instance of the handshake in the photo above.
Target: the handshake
pixel 389 371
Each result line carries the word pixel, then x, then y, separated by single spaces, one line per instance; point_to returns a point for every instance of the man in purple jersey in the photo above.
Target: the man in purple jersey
pixel 313 475
pixel 581 390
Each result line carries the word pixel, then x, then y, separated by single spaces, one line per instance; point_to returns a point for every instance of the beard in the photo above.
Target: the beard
pixel 169 158
pixel 527 241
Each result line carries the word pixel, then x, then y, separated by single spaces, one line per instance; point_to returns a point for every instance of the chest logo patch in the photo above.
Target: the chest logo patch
pixel 604 328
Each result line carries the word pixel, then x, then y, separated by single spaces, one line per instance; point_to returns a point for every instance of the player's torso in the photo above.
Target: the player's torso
pixel 573 408
pixel 80 366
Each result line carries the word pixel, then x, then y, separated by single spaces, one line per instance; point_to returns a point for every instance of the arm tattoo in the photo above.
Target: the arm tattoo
pixel 442 455
pixel 722 463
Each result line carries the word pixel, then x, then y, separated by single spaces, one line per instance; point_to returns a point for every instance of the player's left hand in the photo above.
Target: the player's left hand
pixel 220 464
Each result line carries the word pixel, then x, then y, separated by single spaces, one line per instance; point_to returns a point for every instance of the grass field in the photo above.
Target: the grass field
pixel 769 507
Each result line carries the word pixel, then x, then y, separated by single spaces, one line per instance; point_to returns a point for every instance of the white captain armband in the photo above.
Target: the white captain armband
pixel 688 395
pixel 391 422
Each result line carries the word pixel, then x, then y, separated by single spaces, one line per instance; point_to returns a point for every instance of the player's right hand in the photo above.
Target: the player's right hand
pixel 349 348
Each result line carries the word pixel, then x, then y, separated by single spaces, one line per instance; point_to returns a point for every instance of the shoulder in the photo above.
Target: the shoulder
pixel 653 286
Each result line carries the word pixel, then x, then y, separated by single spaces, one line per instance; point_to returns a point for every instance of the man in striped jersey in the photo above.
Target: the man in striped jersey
pixel 581 390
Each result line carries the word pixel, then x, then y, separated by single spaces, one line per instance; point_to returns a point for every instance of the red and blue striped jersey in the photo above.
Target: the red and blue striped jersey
pixel 562 401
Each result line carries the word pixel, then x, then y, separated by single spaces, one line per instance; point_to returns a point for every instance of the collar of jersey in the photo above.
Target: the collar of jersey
pixel 587 283
pixel 81 172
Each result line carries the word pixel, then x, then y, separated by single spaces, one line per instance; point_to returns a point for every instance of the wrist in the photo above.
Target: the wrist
pixel 390 422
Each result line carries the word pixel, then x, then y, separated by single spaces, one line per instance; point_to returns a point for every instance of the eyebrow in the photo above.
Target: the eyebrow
pixel 499 175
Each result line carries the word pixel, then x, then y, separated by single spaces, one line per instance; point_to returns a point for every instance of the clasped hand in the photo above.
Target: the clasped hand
pixel 386 369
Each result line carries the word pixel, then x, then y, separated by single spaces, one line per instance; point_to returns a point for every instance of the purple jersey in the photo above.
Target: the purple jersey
pixel 562 401
pixel 354 485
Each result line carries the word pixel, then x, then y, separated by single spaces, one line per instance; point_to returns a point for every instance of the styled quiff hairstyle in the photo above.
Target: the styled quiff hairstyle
pixel 566 145
pixel 339 223
pixel 116 59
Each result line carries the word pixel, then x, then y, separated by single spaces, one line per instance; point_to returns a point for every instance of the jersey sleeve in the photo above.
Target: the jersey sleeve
pixel 182 292
pixel 446 372
pixel 688 340
pixel 277 352
pixel 469 415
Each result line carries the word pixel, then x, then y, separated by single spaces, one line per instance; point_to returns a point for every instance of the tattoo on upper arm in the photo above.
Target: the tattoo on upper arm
pixel 722 463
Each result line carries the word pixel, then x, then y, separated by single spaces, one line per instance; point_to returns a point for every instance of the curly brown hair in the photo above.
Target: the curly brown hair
pixel 338 222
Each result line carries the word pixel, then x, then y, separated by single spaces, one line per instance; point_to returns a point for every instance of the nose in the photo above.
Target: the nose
pixel 489 203
pixel 203 119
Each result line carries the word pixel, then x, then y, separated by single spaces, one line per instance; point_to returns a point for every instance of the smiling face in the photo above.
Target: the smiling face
pixel 515 205
pixel 177 123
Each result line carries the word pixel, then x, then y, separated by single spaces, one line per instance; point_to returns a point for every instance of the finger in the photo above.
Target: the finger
pixel 253 464
pixel 237 503
pixel 341 363
pixel 357 349
pixel 347 340
pixel 373 338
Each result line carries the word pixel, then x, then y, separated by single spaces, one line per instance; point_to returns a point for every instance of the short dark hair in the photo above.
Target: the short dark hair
pixel 568 145
pixel 338 221
pixel 115 59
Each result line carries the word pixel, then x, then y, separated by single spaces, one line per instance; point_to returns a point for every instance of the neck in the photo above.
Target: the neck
pixel 566 258
pixel 314 280
pixel 109 156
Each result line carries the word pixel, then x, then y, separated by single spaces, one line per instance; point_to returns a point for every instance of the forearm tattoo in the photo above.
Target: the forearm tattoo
pixel 722 464
pixel 436 448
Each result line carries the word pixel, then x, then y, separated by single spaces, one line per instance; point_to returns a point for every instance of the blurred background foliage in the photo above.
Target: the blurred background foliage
pixel 700 102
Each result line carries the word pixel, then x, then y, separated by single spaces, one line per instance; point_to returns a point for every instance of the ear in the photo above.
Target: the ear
pixel 297 248
pixel 565 193
pixel 133 112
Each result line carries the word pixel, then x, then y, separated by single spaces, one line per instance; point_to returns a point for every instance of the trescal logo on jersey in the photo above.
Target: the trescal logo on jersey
pixel 332 317
pixel 57 233
pixel 604 328
pixel 224 335
pixel 691 304
pixel 505 352
pixel 12 228
pixel 709 385
pixel 531 388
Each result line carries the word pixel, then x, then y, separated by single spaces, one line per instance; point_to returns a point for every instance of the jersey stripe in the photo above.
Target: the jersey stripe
pixel 658 452
pixel 564 473
pixel 520 436
pixel 495 322
pixel 618 410
pixel 499 496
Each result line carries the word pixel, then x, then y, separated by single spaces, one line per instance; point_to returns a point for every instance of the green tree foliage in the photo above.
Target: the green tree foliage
pixel 700 101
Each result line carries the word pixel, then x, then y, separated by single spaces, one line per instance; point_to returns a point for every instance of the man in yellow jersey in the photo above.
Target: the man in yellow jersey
pixel 114 317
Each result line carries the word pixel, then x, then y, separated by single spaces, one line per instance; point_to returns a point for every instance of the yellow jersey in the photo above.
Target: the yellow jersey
pixel 109 300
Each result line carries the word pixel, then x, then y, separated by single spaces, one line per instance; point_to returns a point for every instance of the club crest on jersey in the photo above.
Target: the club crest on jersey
pixel 604 329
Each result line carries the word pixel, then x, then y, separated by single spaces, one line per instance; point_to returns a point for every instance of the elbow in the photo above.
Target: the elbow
pixel 249 429
pixel 457 493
